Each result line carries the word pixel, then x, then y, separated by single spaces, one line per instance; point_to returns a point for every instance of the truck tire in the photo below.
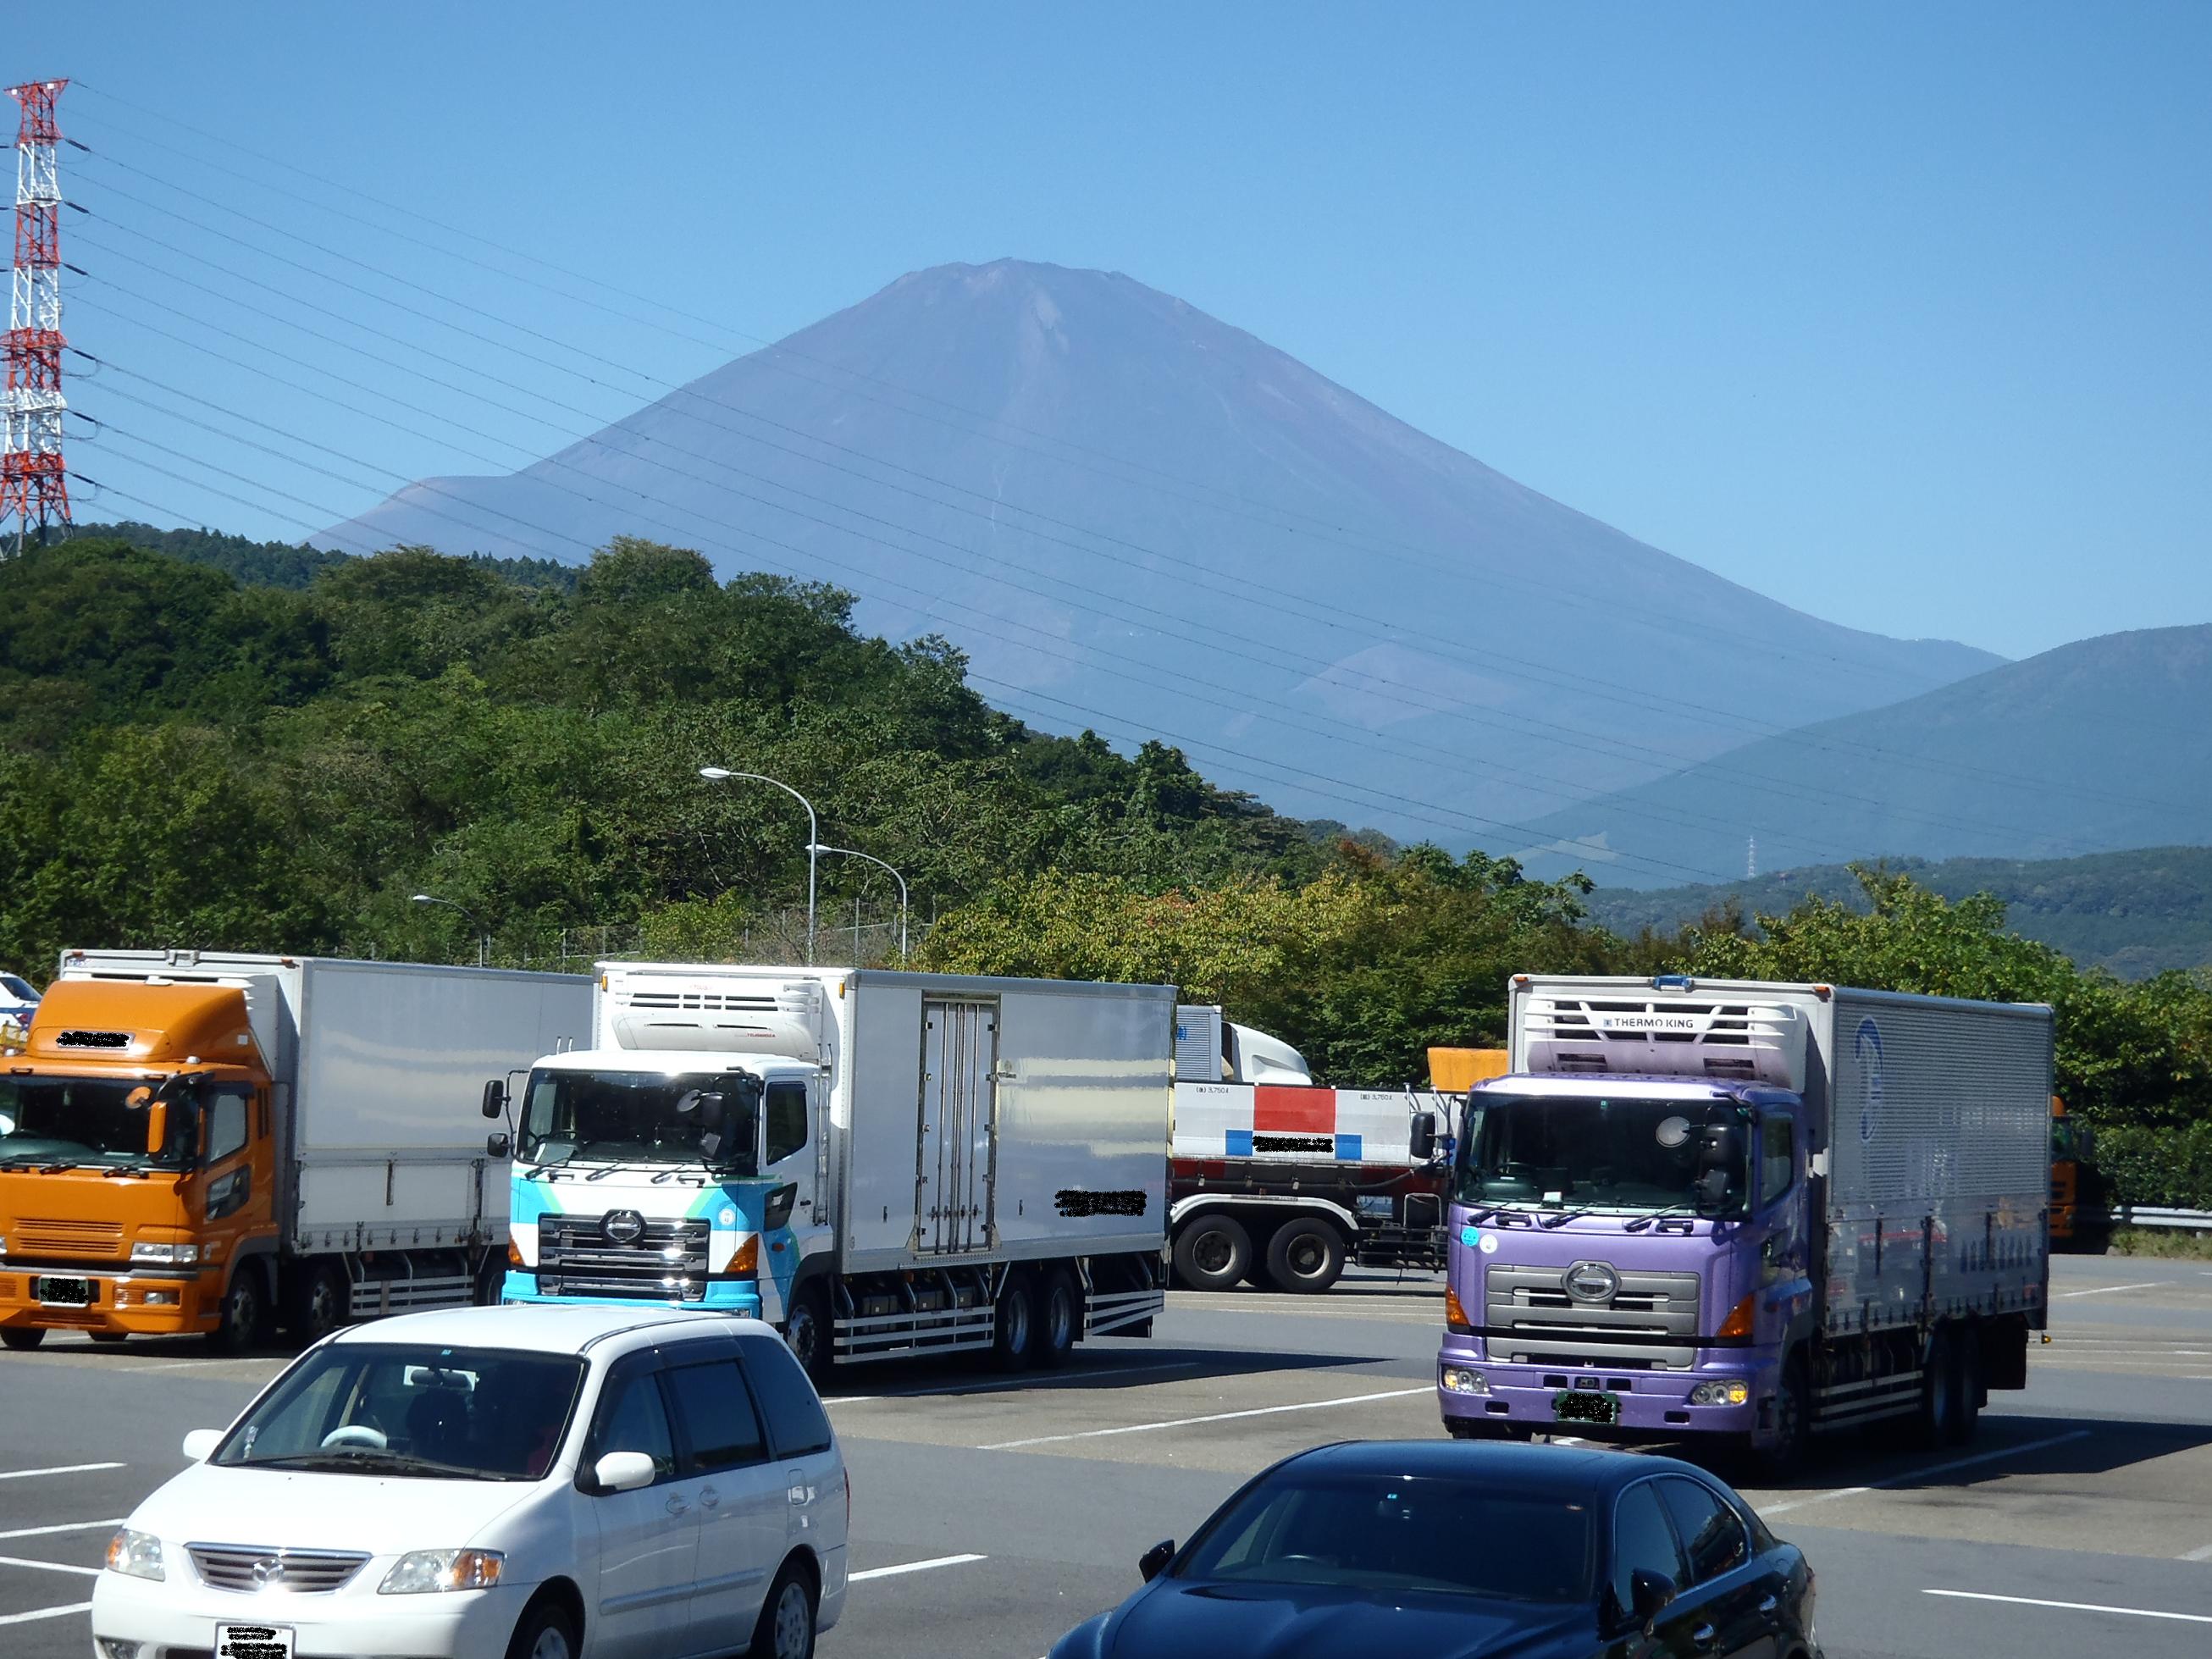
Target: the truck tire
pixel 1785 1454
pixel 20 1339
pixel 244 1321
pixel 1212 1251
pixel 1966 1378
pixel 1060 1318
pixel 806 1333
pixel 1014 1328
pixel 1939 1391
pixel 1305 1256
pixel 318 1303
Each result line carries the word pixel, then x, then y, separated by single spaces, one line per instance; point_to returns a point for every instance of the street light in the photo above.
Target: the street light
pixel 723 775
pixel 483 939
pixel 896 876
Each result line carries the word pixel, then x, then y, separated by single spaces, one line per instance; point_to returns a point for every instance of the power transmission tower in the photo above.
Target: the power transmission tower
pixel 1751 859
pixel 34 482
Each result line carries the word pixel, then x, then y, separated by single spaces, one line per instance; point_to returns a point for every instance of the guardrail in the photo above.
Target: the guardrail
pixel 2144 1215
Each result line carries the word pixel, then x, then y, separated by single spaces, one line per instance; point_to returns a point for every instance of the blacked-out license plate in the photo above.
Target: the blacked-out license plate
pixel 62 1293
pixel 1580 1406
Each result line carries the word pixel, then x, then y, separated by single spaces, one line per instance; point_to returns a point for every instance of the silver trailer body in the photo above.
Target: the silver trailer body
pixel 378 1068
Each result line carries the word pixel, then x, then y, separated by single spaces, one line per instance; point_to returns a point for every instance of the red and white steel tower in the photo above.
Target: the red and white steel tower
pixel 34 482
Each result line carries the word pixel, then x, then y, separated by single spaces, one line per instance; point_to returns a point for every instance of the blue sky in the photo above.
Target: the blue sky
pixel 1895 313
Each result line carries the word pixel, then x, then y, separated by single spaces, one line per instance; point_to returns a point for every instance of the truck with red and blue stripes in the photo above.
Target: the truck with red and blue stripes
pixel 1282 1182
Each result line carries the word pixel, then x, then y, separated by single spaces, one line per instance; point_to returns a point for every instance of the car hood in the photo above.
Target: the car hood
pixel 296 1510
pixel 1171 1621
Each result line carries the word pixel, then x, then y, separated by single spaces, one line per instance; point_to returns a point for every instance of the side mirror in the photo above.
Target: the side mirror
pixel 157 1128
pixel 496 1145
pixel 776 1212
pixel 1153 1559
pixel 494 1098
pixel 1650 1592
pixel 200 1445
pixel 623 1471
pixel 1424 1137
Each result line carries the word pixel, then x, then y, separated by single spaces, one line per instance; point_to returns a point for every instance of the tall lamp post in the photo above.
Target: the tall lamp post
pixel 483 939
pixel 723 775
pixel 848 853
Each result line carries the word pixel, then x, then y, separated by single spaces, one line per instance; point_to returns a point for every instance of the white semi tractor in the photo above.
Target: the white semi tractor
pixel 882 1163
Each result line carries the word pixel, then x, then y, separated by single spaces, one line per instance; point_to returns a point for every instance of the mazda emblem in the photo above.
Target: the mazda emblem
pixel 269 1572
pixel 623 1226
pixel 1592 1281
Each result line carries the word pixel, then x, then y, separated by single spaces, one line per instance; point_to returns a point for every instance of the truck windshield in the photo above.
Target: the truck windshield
pixel 707 1118
pixel 85 1120
pixel 1620 1153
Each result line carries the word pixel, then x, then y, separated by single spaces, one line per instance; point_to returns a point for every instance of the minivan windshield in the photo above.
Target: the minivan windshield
pixel 705 1119
pixel 412 1409
pixel 1390 1532
pixel 1622 1153
pixel 72 1120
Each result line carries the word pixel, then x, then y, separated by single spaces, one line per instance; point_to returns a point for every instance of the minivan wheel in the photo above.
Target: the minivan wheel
pixel 785 1630
pixel 545 1632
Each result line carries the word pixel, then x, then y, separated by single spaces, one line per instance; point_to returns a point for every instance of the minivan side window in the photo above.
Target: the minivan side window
pixel 632 1417
pixel 1712 1533
pixel 721 1429
pixel 796 1424
pixel 786 1111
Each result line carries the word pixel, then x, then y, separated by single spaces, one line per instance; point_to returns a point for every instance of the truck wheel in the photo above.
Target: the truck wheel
pixel 1014 1327
pixel 318 1304
pixel 1305 1256
pixel 245 1315
pixel 806 1333
pixel 1939 1392
pixel 1212 1252
pixel 1060 1319
pixel 20 1340
pixel 1967 1379
pixel 1793 1401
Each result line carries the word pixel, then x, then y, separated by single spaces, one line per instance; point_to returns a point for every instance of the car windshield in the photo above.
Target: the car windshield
pixel 17 989
pixel 412 1409
pixel 83 1120
pixel 642 1117
pixel 1394 1533
pixel 1620 1152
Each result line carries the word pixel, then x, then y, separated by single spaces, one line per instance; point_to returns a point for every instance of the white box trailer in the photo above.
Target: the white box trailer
pixel 385 1195
pixel 959 1161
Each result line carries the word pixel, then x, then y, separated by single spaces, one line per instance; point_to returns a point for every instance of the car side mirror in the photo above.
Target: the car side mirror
pixel 200 1445
pixel 1424 1137
pixel 494 1098
pixel 623 1471
pixel 497 1145
pixel 1650 1592
pixel 776 1212
pixel 1156 1558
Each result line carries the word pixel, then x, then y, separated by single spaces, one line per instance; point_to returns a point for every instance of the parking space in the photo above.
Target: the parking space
pixel 990 1514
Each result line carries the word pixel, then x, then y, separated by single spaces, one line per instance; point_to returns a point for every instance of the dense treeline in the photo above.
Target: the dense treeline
pixel 233 747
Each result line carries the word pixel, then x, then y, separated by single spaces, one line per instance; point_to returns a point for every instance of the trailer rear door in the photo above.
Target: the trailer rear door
pixel 958 1124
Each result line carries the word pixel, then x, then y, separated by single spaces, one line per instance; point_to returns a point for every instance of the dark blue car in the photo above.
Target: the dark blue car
pixel 1441 1550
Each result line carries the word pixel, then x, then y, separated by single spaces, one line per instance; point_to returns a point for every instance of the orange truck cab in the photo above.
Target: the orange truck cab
pixel 214 1143
pixel 2071 1148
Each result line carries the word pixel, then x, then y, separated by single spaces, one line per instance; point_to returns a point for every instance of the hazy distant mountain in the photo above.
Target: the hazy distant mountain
pixel 2137 914
pixel 2101 745
pixel 1107 497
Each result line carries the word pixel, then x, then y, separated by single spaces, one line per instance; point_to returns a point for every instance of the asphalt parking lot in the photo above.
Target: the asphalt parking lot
pixel 989 1513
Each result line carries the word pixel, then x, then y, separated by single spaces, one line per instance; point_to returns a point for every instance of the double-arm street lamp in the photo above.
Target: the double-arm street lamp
pixel 848 853
pixel 483 939
pixel 723 775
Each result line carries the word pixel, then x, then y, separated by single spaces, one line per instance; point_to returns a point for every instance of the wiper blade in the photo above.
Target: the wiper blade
pixel 350 1458
pixel 1563 1217
pixel 1643 1221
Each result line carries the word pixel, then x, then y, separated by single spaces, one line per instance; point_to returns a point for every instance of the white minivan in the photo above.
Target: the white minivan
pixel 582 1482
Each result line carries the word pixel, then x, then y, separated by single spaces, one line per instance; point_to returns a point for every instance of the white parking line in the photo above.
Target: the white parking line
pixel 2073 1606
pixel 50 1566
pixel 45 1613
pixel 64 1468
pixel 2204 1554
pixel 2107 1290
pixel 1923 1473
pixel 913 1566
pixel 1216 1416
pixel 66 1525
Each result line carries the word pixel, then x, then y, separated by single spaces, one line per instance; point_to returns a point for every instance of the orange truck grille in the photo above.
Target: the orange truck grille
pixel 75 1238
